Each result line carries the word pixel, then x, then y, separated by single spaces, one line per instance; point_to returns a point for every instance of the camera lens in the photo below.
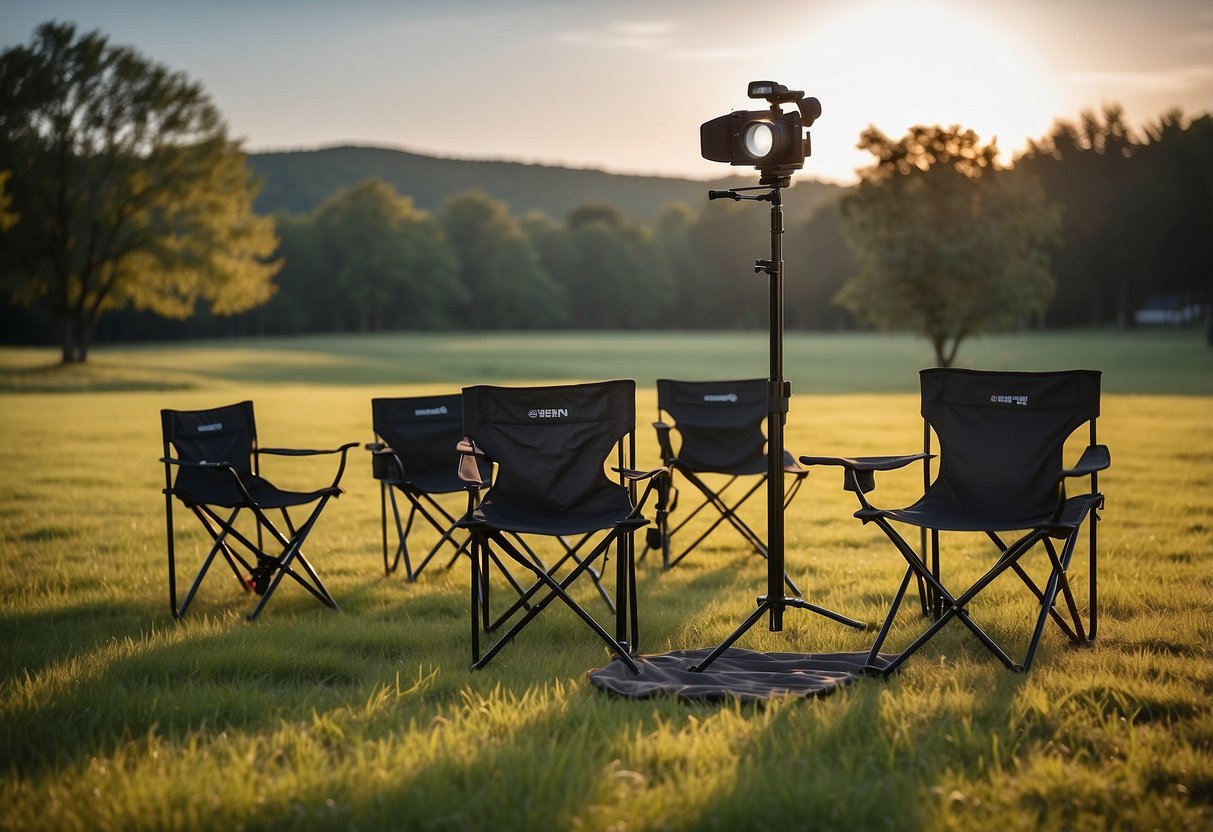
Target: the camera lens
pixel 757 138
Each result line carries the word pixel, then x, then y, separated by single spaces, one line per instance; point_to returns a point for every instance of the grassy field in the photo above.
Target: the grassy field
pixel 112 716
pixel 1162 361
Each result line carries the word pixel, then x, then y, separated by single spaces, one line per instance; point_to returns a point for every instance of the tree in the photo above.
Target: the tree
pixel 1084 169
pixel 507 284
pixel 819 263
pixel 1138 212
pixel 615 279
pixel 390 263
pixel 726 238
pixel 947 245
pixel 128 190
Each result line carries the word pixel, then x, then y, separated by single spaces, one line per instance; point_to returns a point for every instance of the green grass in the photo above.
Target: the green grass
pixel 1162 361
pixel 112 716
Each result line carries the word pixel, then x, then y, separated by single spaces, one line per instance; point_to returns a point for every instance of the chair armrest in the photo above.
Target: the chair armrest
pixel 307 451
pixel 385 464
pixel 859 473
pixel 469 470
pixel 663 440
pixel 790 465
pixel 1094 458
pixel 468 447
pixel 634 475
pixel 343 450
pixel 653 476
pixel 867 463
pixel 213 466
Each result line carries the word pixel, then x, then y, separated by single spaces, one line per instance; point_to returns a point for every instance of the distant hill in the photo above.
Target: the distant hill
pixel 297 181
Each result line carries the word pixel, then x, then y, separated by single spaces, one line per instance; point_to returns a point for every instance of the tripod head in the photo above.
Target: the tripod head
pixel 736 195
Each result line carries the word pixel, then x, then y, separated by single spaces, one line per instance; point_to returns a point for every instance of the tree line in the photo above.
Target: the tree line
pixel 1119 216
pixel 126 213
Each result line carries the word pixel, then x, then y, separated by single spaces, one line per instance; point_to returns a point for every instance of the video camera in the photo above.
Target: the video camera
pixel 771 140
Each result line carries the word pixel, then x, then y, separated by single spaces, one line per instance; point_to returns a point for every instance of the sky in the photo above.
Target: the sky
pixel 622 86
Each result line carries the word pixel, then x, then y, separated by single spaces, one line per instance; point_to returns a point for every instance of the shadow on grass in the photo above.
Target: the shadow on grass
pixel 92 377
pixel 106 679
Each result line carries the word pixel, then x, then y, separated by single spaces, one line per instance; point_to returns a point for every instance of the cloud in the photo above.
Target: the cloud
pixel 721 53
pixel 655 35
pixel 623 34
pixel 1180 78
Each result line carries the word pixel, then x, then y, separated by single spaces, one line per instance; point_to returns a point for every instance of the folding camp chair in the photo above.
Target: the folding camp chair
pixel 218 477
pixel 416 458
pixel 551 445
pixel 719 425
pixel 1001 441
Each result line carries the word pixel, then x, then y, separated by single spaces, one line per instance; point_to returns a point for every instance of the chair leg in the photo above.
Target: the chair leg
pixel 292 549
pixel 953 606
pixel 555 590
pixel 1093 567
pixel 534 560
pixel 870 664
pixel 728 513
pixel 219 545
pixel 172 560
pixel 475 599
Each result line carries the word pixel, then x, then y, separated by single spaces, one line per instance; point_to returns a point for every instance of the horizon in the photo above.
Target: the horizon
pixel 469 80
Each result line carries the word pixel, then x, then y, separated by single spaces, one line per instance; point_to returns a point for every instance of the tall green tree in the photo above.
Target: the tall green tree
pixel 818 264
pixel 388 260
pixel 128 190
pixel 1084 169
pixel 671 236
pixel 498 264
pixel 1138 212
pixel 615 279
pixel 947 245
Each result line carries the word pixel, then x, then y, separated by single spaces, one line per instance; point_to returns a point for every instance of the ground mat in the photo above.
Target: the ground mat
pixel 736 674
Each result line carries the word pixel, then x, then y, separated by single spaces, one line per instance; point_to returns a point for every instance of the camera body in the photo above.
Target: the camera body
pixel 771 140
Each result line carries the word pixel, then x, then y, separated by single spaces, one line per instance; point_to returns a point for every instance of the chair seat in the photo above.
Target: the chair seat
pixel 934 512
pixel 432 482
pixel 509 519
pixel 750 467
pixel 217 488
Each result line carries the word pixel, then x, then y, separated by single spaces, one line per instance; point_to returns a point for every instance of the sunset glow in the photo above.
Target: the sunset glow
pixel 564 83
pixel 895 65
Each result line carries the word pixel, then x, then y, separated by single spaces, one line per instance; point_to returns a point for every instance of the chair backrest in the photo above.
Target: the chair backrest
pixel 423 431
pixel 719 423
pixel 551 443
pixel 222 434
pixel 1002 434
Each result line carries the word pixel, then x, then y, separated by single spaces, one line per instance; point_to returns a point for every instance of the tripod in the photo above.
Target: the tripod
pixel 779 392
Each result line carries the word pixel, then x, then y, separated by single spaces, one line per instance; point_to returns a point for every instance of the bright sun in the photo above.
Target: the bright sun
pixel 895 65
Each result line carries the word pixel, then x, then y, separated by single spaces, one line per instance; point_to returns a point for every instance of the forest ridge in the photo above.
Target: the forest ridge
pixel 298 181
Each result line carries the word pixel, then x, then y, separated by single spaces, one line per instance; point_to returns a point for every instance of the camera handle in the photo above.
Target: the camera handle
pixel 733 194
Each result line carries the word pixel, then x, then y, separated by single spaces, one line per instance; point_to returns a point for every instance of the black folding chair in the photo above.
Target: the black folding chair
pixel 719 427
pixel 1001 442
pixel 416 458
pixel 550 446
pixel 218 477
